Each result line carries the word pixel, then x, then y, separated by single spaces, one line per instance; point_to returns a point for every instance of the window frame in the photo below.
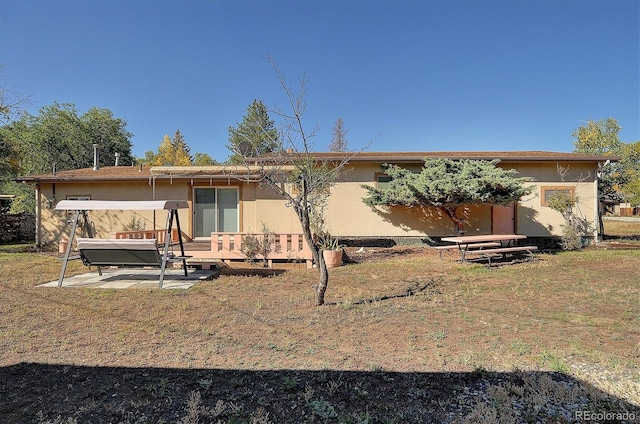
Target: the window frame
pixel 545 192
pixel 216 209
pixel 376 178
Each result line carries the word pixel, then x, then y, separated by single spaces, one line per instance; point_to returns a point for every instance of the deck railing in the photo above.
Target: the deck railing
pixel 144 234
pixel 228 246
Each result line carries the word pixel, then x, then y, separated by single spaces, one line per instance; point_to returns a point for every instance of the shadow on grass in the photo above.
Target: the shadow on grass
pixel 252 272
pixel 44 393
pixel 18 248
pixel 630 241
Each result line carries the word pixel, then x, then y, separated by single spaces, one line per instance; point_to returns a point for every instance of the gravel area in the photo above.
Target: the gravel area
pixel 541 398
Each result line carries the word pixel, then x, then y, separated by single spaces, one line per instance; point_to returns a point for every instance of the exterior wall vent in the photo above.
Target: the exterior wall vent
pixel 95 157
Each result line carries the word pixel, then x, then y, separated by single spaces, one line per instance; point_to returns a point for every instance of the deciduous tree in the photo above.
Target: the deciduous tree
pixel 164 157
pixel 292 171
pixel 172 152
pixel 598 138
pixel 447 184
pixel 203 159
pixel 11 103
pixel 576 228
pixel 339 140
pixel 149 158
pixel 601 138
pixel 618 181
pixel 60 137
pixel 630 180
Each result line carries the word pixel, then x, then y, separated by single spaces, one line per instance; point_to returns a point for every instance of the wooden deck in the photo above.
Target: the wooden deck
pixel 227 247
pixel 197 246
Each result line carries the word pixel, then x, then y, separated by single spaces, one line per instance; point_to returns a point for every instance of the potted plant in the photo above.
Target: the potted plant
pixel 331 250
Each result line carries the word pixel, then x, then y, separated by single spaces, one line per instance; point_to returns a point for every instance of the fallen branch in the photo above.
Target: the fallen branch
pixel 413 290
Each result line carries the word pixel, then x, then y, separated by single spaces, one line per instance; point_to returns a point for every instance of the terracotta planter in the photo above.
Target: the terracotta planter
pixel 333 258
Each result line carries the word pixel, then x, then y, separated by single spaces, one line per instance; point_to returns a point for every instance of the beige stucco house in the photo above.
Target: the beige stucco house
pixel 219 201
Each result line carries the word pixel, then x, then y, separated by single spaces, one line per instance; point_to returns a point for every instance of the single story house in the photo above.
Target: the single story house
pixel 221 202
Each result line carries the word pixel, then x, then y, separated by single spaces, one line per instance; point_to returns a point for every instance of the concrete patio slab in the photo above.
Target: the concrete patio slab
pixel 127 278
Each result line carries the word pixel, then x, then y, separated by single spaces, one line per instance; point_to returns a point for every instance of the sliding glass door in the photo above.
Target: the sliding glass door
pixel 215 210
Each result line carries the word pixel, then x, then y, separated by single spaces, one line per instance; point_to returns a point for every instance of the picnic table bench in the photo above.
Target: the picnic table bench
pixel 488 246
pixel 470 246
pixel 502 251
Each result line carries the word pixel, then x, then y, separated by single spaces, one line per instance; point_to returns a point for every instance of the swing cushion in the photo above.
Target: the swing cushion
pixel 119 252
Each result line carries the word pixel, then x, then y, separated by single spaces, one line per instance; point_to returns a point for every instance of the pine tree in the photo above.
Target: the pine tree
pixel 181 151
pixel 256 135
pixel 447 184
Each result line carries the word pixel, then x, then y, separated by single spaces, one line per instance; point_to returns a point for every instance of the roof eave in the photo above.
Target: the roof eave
pixel 418 157
pixel 223 171
pixel 79 179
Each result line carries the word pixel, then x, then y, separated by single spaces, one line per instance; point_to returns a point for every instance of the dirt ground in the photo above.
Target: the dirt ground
pixel 405 338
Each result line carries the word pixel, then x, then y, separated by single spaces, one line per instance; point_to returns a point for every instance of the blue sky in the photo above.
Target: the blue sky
pixel 430 75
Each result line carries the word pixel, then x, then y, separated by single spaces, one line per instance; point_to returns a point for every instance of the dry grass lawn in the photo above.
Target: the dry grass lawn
pixel 406 337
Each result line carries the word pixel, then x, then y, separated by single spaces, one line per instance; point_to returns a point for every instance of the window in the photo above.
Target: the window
pixel 382 181
pixel 548 191
pixel 78 197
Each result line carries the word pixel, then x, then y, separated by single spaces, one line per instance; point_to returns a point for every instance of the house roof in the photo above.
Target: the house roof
pixel 107 173
pixel 513 156
pixel 143 173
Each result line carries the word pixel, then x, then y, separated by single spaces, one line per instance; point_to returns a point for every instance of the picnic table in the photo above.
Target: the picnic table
pixel 487 245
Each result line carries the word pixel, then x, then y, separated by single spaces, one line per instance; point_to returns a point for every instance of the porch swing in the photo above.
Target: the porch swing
pixel 124 252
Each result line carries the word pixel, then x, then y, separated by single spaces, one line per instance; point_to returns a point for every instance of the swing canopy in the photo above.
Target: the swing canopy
pixel 120 205
pixel 107 252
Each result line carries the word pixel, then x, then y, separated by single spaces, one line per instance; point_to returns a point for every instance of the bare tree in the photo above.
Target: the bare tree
pixel 577 227
pixel 339 142
pixel 295 173
pixel 11 103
